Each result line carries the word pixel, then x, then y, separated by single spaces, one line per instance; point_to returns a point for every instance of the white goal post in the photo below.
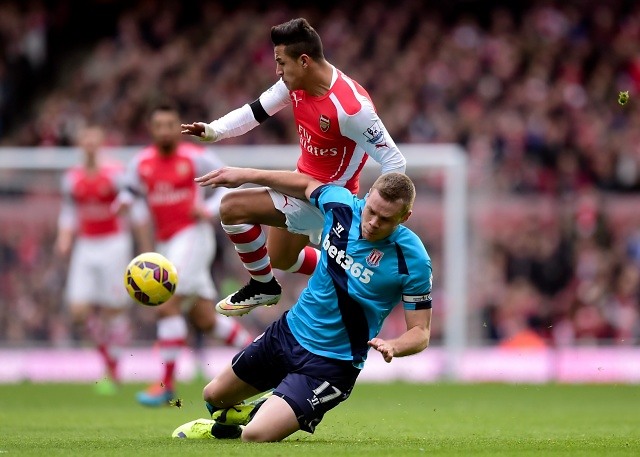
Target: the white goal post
pixel 448 157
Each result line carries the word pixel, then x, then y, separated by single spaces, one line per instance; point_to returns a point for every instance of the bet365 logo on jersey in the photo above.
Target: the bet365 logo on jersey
pixel 355 269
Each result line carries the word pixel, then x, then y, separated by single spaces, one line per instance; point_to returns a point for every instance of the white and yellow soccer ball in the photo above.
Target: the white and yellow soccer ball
pixel 151 279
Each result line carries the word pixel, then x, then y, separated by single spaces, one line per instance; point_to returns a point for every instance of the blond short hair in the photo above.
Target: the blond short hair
pixel 396 186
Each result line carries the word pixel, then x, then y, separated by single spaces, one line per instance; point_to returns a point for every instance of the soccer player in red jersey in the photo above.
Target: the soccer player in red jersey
pixel 338 128
pixel 100 246
pixel 162 174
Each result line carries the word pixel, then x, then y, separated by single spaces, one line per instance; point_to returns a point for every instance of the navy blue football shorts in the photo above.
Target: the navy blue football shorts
pixel 309 383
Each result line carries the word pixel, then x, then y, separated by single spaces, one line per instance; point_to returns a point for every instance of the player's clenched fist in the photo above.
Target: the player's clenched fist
pixel 383 347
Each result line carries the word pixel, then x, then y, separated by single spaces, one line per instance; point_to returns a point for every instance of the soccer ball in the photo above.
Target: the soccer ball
pixel 151 279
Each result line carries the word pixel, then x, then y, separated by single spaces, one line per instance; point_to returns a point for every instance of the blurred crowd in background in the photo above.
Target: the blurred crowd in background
pixel 528 89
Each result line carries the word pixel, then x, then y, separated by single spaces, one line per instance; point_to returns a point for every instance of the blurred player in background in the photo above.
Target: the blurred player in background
pixel 338 129
pixel 314 353
pixel 163 175
pixel 100 246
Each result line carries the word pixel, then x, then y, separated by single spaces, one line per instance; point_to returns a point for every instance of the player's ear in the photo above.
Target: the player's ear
pixel 304 60
pixel 404 218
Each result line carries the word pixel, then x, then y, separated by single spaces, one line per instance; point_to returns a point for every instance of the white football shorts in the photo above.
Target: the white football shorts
pixel 302 216
pixel 192 250
pixel 97 268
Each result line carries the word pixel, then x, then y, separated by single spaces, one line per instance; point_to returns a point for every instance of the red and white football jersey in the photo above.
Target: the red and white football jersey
pixel 331 127
pixel 166 182
pixel 88 197
pixel 338 131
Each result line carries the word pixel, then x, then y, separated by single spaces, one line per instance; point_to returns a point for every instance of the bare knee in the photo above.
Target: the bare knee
pixel 250 206
pixel 235 209
pixel 211 394
pixel 255 435
pixel 215 394
pixel 203 316
pixel 227 205
pixel 208 394
pixel 171 307
pixel 79 312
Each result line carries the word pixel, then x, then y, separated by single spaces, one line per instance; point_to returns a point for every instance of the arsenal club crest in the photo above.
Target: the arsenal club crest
pixel 374 257
pixel 325 123
pixel 182 168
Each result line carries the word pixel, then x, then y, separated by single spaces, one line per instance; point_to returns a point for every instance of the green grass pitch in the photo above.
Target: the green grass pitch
pixel 378 420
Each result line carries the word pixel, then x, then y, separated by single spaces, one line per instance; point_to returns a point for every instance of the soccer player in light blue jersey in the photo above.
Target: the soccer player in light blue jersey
pixel 311 357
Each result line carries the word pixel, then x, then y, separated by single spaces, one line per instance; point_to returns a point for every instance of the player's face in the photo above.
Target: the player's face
pixel 165 130
pixel 288 69
pixel 90 140
pixel 381 217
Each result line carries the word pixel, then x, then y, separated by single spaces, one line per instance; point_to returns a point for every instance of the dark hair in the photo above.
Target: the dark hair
pixel 299 38
pixel 163 106
pixel 396 186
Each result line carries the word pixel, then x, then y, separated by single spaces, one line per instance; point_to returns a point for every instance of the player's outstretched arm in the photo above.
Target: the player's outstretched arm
pixel 243 119
pixel 291 183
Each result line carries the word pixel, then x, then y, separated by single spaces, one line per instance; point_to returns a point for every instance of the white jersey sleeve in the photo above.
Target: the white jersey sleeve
pixel 130 192
pixel 139 212
pixel 247 117
pixel 204 163
pixel 131 185
pixel 68 217
pixel 369 133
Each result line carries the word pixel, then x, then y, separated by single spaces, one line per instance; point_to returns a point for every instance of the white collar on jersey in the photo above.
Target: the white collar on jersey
pixel 334 76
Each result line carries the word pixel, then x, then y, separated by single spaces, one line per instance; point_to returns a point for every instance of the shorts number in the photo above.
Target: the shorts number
pixel 333 394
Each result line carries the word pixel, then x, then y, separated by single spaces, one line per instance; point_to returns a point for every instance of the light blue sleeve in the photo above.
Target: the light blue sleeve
pixel 328 196
pixel 416 290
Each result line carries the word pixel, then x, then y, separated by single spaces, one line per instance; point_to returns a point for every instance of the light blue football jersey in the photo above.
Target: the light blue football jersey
pixel 358 282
